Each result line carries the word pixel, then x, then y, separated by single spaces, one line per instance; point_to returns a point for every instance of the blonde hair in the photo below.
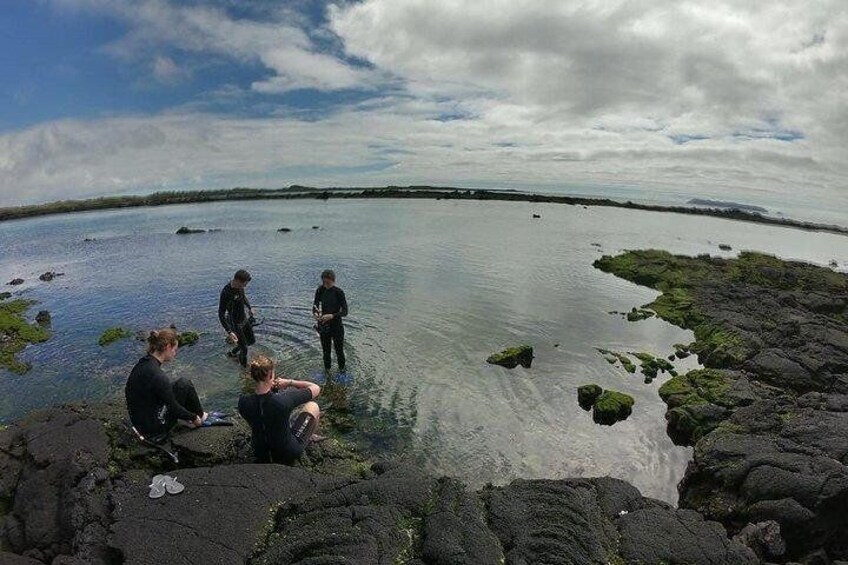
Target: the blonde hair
pixel 159 340
pixel 261 368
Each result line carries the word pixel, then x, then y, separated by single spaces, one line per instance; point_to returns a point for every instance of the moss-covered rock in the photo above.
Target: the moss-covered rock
pixel 651 366
pixel 16 333
pixel 188 338
pixel 513 357
pixel 587 395
pixel 611 407
pixel 112 335
pixel 698 402
pixel 613 356
pixel 638 314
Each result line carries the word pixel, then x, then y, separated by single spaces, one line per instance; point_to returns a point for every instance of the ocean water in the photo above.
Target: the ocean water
pixel 434 287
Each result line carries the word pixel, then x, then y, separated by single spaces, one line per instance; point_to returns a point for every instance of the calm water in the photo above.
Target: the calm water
pixel 434 287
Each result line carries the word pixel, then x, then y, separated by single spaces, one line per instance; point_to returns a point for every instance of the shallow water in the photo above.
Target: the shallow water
pixel 434 287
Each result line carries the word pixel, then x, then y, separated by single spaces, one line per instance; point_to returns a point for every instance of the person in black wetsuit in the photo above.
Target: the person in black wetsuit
pixel 328 308
pixel 276 437
pixel 155 404
pixel 231 313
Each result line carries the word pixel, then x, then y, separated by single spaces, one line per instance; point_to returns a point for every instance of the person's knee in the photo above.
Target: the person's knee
pixel 312 408
pixel 183 383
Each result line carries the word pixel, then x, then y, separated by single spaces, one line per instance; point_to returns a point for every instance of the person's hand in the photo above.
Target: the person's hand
pixel 232 337
pixel 326 318
pixel 251 312
pixel 278 383
pixel 198 421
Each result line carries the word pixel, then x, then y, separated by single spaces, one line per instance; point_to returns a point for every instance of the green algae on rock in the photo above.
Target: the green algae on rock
pixel 512 357
pixel 188 338
pixel 112 335
pixel 639 314
pixel 611 407
pixel 16 333
pixel 587 395
pixel 613 356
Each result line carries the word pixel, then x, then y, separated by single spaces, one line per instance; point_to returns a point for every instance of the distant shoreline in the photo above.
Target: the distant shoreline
pixel 420 192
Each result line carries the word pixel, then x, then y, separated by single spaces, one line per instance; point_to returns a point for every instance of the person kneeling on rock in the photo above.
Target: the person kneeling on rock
pixel 156 404
pixel 277 437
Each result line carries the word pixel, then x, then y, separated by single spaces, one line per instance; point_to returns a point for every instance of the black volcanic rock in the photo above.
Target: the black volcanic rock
pixel 49 276
pixel 186 231
pixel 77 487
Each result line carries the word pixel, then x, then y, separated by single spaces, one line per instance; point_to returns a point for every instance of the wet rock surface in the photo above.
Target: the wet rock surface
pixel 513 357
pixel 769 416
pixel 74 490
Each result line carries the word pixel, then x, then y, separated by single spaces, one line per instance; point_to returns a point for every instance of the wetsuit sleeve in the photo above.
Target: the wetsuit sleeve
pixel 292 398
pixel 162 388
pixel 342 304
pixel 223 315
pixel 317 297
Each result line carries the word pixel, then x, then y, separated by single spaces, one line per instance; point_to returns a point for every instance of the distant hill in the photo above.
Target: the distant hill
pixel 727 205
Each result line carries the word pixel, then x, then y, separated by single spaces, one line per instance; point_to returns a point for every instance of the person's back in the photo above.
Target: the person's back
pixel 274 436
pixel 269 416
pixel 143 403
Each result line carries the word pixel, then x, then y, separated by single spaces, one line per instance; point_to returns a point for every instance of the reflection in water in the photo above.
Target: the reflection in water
pixel 434 288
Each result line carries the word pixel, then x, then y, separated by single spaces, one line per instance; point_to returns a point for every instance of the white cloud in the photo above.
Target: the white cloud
pixel 720 98
pixel 280 44
pixel 165 70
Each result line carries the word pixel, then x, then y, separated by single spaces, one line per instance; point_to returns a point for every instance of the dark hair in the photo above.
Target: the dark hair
pixel 328 274
pixel 159 340
pixel 242 276
pixel 260 368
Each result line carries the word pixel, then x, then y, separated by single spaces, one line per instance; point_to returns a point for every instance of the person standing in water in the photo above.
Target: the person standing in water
pixel 231 313
pixel 328 308
pixel 155 404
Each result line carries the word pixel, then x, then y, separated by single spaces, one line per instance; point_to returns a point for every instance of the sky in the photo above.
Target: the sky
pixel 666 99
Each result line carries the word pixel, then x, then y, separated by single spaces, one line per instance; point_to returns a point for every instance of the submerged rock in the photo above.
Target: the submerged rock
pixel 284 230
pixel 112 335
pixel 5 295
pixel 188 338
pixel 43 318
pixel 316 227
pixel 49 276
pixel 15 282
pixel 612 407
pixel 512 357
pixel 637 315
pixel 725 247
pixel 186 230
pixel 537 216
pixel 587 395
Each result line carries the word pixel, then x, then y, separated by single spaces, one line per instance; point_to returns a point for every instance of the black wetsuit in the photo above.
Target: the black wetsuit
pixel 275 438
pixel 155 403
pixel 231 313
pixel 332 301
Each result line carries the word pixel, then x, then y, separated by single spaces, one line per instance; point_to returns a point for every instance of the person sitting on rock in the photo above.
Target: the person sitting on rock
pixel 156 404
pixel 276 436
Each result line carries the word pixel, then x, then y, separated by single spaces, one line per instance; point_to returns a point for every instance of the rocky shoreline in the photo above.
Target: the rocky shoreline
pixel 768 418
pixel 74 491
